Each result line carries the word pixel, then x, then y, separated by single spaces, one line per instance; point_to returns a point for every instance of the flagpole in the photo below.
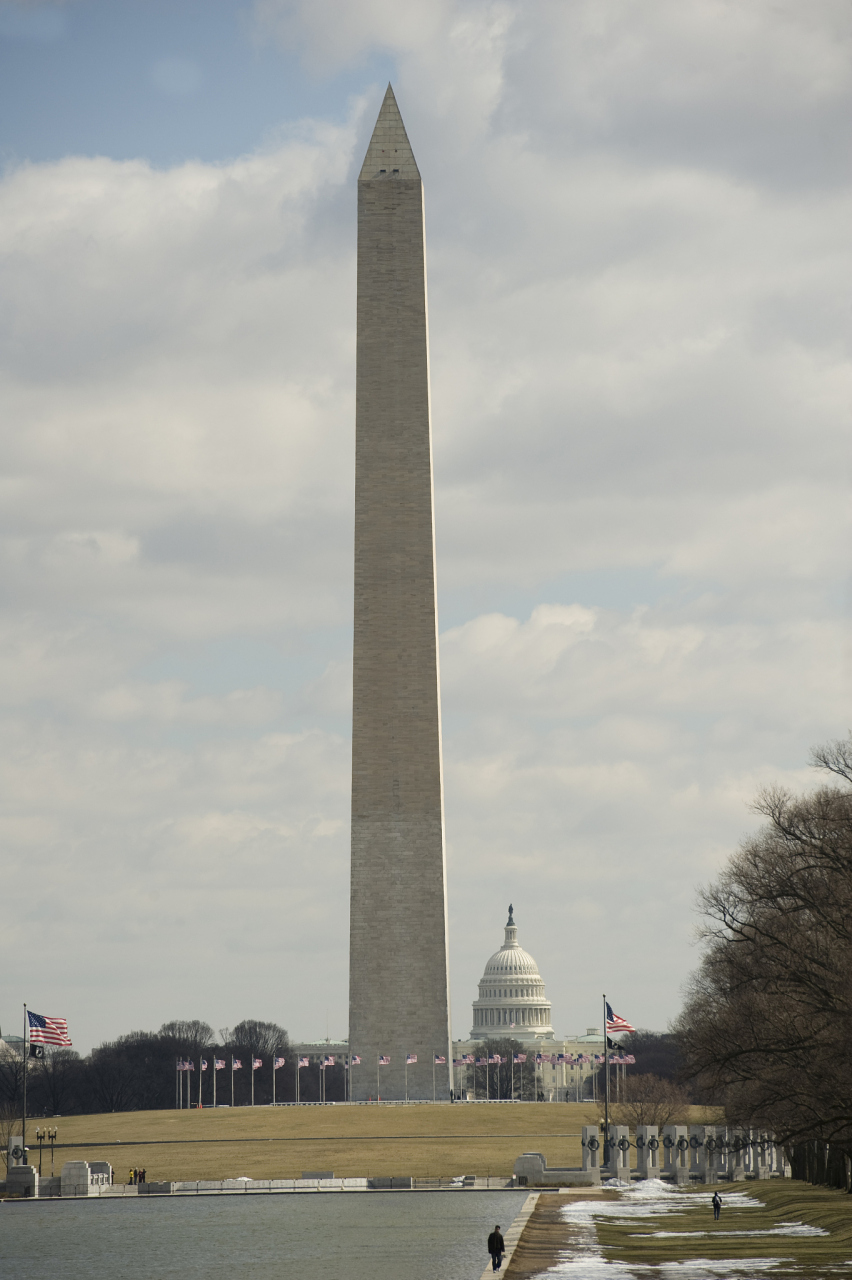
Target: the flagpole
pixel 214 1080
pixel 232 1080
pixel 274 1052
pixel 606 1084
pixel 433 1076
pixel 24 1117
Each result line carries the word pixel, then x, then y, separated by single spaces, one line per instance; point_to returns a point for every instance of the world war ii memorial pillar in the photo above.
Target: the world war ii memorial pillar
pixel 398 974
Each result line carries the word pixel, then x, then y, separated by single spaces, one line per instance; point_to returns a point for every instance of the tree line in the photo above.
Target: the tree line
pixel 136 1072
pixel 767 1023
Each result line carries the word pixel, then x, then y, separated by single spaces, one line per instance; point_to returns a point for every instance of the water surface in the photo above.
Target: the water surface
pixel 362 1236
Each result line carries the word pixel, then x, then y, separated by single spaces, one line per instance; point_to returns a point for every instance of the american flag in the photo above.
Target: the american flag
pixel 539 1059
pixel 520 1057
pixel 629 1058
pixel 458 1062
pixel 219 1064
pixel 384 1060
pixel 304 1062
pixel 495 1057
pixel 439 1061
pixel 328 1060
pixel 467 1058
pixel 236 1064
pixel 203 1064
pixel 616 1023
pixel 255 1063
pixel 47 1030
pixel 482 1062
pixel 278 1062
pixel 355 1060
pixel 411 1059
pixel 560 1057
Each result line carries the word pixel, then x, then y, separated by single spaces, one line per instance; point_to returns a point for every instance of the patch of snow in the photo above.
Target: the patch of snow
pixel 785 1229
pixel 697 1268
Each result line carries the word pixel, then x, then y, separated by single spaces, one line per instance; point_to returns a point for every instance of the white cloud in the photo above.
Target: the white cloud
pixel 639 264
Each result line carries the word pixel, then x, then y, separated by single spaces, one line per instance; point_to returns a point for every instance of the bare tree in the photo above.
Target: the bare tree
pixel 56 1080
pixel 11 1078
pixel 10 1122
pixel 648 1099
pixel 768 1018
pixel 258 1038
pixel 191 1036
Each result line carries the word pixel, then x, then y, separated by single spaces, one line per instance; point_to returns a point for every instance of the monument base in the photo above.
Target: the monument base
pixel 531 1171
pixel 22 1182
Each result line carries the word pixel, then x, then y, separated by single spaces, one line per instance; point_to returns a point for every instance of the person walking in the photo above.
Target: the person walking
pixel 717 1205
pixel 496 1247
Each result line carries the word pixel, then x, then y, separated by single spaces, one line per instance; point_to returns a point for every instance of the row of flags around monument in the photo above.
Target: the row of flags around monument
pixel 555 1059
pixel 329 1060
pixel 466 1060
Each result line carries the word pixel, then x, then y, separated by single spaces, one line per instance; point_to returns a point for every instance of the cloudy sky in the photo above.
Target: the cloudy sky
pixel 639 269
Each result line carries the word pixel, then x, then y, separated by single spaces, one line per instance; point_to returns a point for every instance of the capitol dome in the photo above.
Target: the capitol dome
pixel 511 999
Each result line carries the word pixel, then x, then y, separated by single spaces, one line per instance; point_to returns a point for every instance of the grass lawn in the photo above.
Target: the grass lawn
pixel 772 1204
pixel 422 1140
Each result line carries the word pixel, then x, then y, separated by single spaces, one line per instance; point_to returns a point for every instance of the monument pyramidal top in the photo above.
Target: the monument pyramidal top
pixel 389 152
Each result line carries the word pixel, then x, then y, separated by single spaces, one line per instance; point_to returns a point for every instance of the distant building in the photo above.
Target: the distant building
pixel 511 998
pixel 11 1047
pixel 512 1005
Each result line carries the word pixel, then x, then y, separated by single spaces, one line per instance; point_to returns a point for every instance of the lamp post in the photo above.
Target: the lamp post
pixel 40 1137
pixel 51 1137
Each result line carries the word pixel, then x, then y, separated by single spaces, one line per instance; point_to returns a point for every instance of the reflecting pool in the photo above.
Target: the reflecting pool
pixel 360 1236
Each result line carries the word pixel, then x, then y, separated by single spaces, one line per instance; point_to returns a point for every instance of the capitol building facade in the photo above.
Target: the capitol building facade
pixel 512 1005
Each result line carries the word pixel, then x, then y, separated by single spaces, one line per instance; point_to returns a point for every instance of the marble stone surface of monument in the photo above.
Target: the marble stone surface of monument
pixel 398 978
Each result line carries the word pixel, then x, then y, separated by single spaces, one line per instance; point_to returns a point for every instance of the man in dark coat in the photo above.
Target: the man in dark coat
pixel 717 1205
pixel 496 1247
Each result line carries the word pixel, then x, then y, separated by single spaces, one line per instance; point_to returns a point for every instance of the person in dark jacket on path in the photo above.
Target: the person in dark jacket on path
pixel 717 1205
pixel 496 1247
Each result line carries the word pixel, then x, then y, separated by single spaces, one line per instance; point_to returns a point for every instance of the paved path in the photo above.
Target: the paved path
pixel 513 1235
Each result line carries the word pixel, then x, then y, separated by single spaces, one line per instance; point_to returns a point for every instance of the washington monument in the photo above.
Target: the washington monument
pixel 398 973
